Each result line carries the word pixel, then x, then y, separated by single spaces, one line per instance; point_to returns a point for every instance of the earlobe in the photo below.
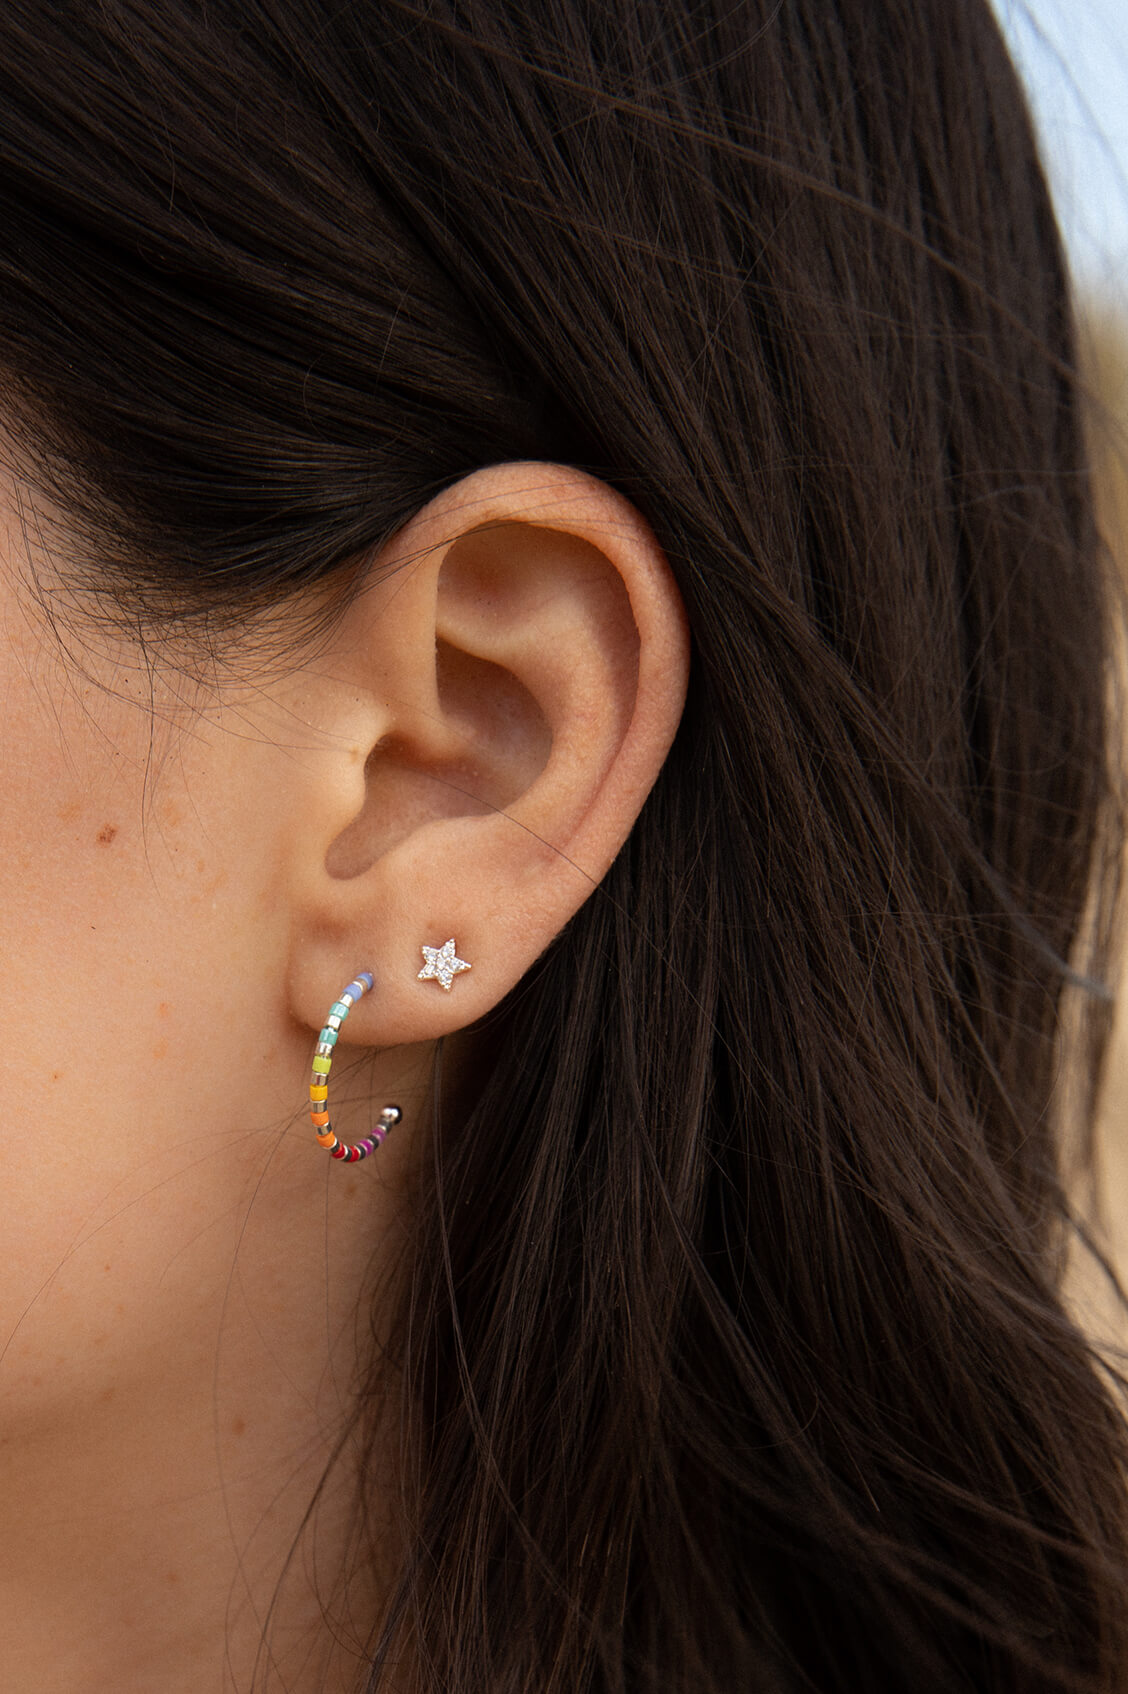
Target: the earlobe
pixel 525 654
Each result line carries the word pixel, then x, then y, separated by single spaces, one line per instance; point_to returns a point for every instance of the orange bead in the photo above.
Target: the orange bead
pixel 319 1118
pixel 327 1139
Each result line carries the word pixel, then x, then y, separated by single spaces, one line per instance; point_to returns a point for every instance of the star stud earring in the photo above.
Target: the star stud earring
pixel 442 965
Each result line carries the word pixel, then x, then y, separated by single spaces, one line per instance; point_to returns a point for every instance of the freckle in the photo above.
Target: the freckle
pixel 201 865
pixel 238 1426
pixel 56 1076
pixel 106 834
pixel 163 1009
pixel 160 1049
pixel 107 1266
pixel 119 1309
pixel 172 1577
pixel 100 1340
pixel 37 1382
pixel 70 812
pixel 107 1395
pixel 171 814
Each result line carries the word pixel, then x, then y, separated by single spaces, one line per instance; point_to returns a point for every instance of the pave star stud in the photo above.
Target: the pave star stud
pixel 442 966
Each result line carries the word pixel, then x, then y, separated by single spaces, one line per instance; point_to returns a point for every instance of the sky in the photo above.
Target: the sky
pixel 1073 55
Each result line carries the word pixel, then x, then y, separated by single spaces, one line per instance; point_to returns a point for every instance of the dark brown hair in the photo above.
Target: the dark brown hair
pixel 734 1349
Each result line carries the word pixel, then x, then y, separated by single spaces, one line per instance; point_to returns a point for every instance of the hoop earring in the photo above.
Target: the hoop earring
pixel 319 1081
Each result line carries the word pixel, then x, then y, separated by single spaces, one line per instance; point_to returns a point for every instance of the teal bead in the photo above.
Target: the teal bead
pixel 338 1009
pixel 328 1037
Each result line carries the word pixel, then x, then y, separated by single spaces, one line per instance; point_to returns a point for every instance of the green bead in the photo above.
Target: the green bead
pixel 322 1064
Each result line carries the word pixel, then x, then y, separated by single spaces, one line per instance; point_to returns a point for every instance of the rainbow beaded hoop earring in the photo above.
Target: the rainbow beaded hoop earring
pixel 319 1081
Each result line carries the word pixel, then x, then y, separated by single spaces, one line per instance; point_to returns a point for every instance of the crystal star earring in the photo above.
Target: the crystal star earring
pixel 442 965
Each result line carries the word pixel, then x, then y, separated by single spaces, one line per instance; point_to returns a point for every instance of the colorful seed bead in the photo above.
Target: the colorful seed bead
pixel 361 984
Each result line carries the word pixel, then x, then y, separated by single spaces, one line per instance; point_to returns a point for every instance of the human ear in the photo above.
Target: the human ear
pixel 495 707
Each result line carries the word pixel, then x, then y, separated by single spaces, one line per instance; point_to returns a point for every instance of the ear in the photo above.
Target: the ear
pixel 495 708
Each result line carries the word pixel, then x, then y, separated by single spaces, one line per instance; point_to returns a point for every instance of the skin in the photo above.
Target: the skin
pixel 184 889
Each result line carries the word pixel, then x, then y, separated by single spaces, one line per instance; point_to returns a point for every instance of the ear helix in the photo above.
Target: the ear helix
pixel 442 966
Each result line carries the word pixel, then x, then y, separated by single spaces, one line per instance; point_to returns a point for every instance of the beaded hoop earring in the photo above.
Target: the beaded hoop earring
pixel 319 1081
